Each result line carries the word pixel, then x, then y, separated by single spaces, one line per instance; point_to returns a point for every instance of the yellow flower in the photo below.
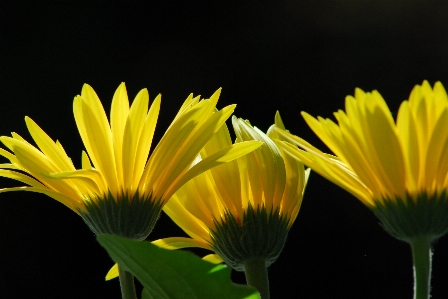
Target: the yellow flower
pixel 241 210
pixel 399 170
pixel 252 201
pixel 119 190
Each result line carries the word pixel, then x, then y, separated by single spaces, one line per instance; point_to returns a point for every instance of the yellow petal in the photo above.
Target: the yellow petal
pixel 92 122
pixel 21 178
pixel 90 180
pixel 118 115
pixel 38 168
pixel 133 129
pixel 193 226
pixel 226 174
pixel 206 205
pixel 265 166
pixel 436 148
pixel 49 147
pixel 213 258
pixel 8 155
pixel 85 161
pixel 192 146
pixel 325 166
pixel 294 208
pixel 70 202
pixel 170 143
pixel 145 140
pixel 353 149
pixel 180 242
pixel 294 185
pixel 113 272
pixel 187 104
pixel 386 154
pixel 40 159
pixel 227 154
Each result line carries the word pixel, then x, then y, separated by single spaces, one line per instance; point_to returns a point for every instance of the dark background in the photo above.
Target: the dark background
pixel 267 56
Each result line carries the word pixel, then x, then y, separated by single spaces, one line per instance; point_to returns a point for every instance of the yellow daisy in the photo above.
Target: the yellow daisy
pixel 121 188
pixel 243 209
pixel 397 169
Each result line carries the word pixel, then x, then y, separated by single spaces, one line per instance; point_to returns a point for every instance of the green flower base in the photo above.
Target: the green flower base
pixel 407 219
pixel 260 235
pixel 132 218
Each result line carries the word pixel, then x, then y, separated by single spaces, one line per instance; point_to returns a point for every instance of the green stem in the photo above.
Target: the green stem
pixel 257 275
pixel 421 254
pixel 126 284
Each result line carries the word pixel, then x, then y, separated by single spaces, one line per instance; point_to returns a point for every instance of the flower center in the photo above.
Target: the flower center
pixel 408 218
pixel 132 218
pixel 261 235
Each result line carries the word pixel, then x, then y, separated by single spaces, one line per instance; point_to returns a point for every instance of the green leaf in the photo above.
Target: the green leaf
pixel 170 274
pixel 146 294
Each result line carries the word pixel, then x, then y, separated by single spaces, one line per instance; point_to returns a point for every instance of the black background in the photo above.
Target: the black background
pixel 267 56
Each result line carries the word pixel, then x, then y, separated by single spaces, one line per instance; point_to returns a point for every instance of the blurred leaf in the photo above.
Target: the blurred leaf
pixel 146 294
pixel 170 274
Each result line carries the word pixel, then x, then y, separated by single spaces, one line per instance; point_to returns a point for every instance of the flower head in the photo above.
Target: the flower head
pixel 397 169
pixel 242 209
pixel 121 188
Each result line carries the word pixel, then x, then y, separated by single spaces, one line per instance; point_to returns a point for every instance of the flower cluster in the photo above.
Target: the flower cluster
pixel 240 199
